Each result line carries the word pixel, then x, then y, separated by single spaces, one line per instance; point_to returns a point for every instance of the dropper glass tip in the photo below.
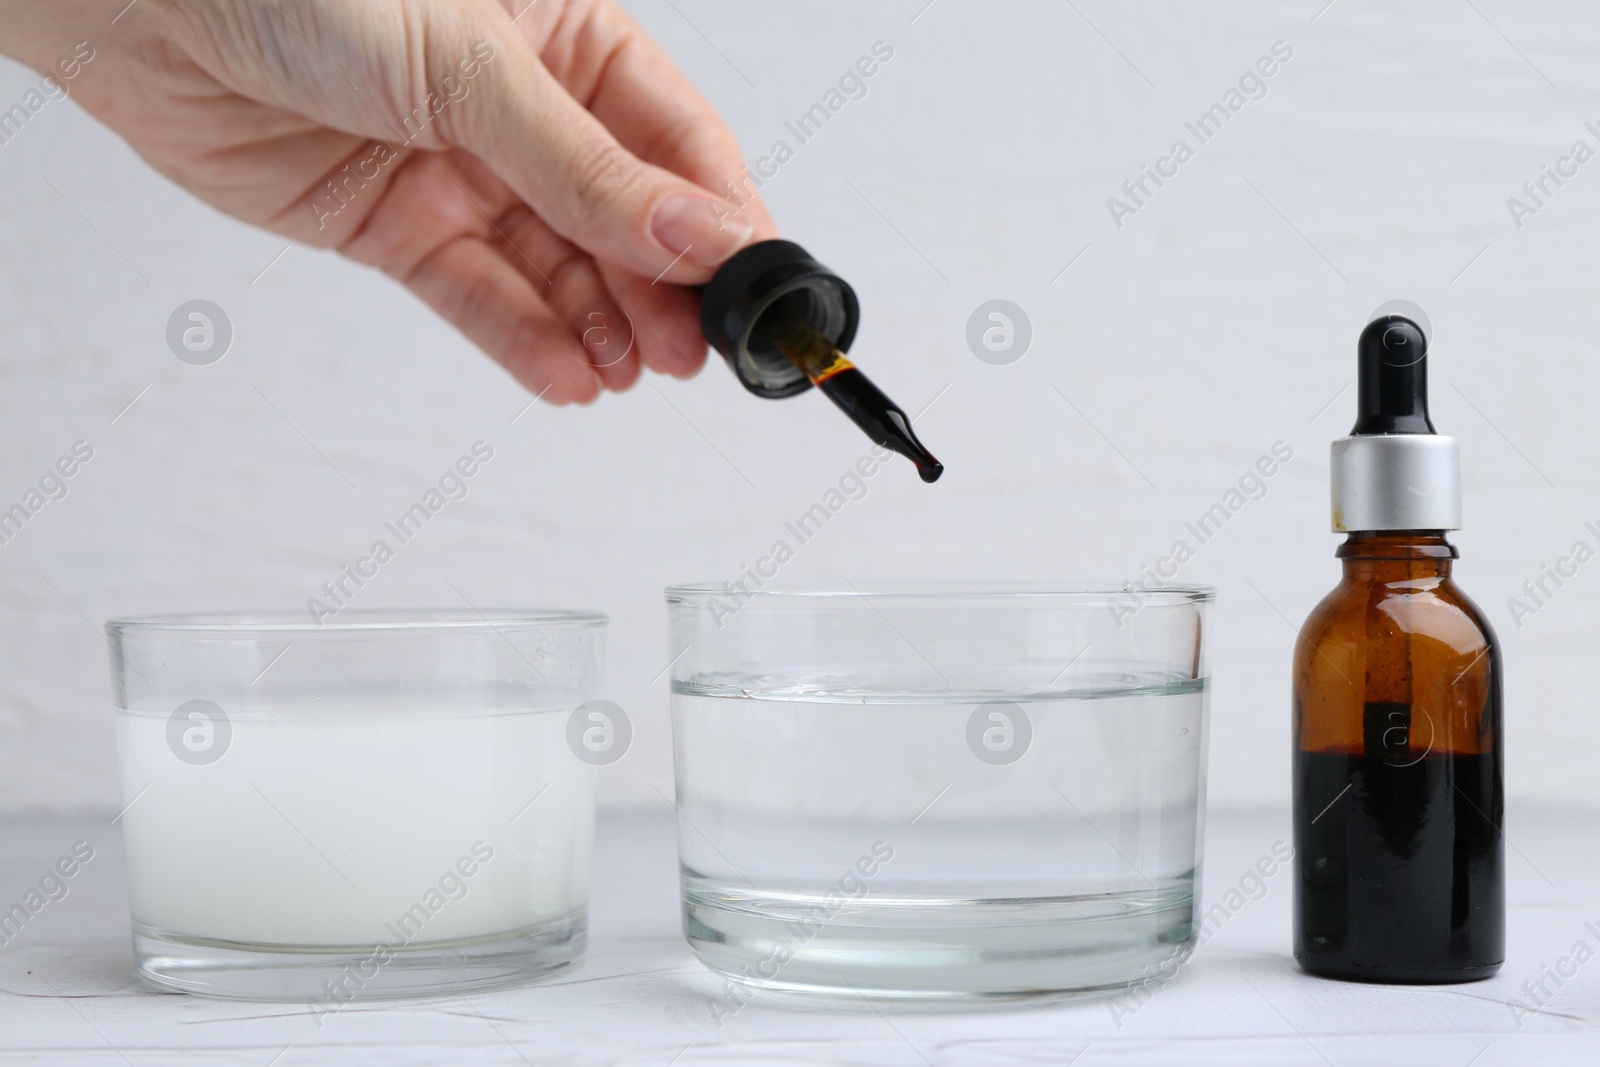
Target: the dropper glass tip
pixel 827 367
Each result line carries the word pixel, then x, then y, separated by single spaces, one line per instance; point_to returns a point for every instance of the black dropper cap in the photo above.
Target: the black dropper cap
pixel 783 321
pixel 755 281
pixel 1392 378
pixel 1394 472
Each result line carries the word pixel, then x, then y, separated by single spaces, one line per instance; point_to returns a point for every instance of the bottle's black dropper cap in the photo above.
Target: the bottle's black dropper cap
pixel 755 281
pixel 783 322
pixel 1392 378
pixel 1394 472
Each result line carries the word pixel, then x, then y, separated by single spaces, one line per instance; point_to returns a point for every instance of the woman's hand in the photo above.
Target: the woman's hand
pixel 529 173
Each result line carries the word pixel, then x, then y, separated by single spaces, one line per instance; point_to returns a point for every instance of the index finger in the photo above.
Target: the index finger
pixel 627 82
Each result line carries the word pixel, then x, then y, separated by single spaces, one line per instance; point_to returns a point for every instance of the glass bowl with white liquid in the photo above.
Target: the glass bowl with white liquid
pixel 939 790
pixel 373 805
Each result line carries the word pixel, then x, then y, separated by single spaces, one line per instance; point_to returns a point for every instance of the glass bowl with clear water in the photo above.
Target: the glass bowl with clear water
pixel 939 791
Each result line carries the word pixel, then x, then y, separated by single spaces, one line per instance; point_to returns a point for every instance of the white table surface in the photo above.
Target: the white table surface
pixel 640 997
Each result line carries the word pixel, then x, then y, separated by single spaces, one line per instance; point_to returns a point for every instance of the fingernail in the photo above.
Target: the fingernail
pixel 700 229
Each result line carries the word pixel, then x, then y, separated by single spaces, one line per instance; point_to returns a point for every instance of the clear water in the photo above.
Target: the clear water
pixel 843 833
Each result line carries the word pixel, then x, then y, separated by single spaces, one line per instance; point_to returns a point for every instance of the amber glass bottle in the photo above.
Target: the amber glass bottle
pixel 1400 863
pixel 1397 773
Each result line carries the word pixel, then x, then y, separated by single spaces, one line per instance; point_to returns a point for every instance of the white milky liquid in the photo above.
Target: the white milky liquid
pixel 354 826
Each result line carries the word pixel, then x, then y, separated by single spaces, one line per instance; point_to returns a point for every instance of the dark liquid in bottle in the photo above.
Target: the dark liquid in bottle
pixel 1401 865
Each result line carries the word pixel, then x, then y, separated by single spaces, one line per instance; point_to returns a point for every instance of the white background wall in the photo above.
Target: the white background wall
pixel 1219 319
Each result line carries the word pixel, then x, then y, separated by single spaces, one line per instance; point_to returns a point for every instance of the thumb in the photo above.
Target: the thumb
pixel 567 166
